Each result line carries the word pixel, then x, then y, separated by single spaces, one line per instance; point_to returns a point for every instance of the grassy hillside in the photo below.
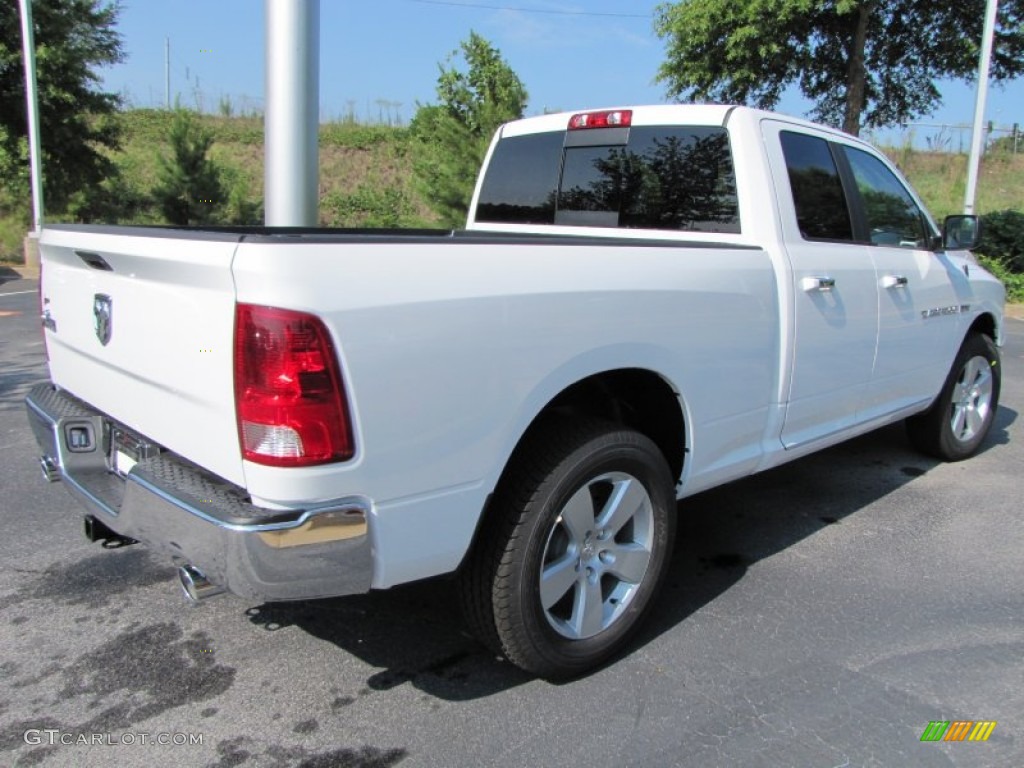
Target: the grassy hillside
pixel 365 170
pixel 366 176
pixel 941 180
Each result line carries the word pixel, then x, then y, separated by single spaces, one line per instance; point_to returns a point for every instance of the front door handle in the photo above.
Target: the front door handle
pixel 818 283
pixel 894 281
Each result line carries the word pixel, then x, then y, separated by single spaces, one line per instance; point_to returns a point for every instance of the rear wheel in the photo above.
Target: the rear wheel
pixel 960 418
pixel 576 549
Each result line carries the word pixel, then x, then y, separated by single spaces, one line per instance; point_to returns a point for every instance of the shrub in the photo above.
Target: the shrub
pixel 189 188
pixel 13 229
pixel 1003 238
pixel 115 200
pixel 1014 281
pixel 368 206
pixel 357 136
pixel 244 206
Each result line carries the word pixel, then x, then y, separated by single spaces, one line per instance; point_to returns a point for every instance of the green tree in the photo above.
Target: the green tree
pixel 452 137
pixel 74 38
pixel 864 64
pixel 189 189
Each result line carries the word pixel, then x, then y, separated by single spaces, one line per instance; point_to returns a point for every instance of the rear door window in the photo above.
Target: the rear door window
pixel 822 212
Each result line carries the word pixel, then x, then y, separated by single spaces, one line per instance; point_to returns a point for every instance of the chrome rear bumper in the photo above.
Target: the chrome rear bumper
pixel 180 510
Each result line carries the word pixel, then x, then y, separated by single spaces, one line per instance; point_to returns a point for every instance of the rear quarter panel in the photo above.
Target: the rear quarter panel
pixel 450 350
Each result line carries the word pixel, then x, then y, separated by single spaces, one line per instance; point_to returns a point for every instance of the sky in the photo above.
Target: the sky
pixel 379 58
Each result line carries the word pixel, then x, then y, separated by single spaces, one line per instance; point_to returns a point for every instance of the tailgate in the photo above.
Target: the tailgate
pixel 142 331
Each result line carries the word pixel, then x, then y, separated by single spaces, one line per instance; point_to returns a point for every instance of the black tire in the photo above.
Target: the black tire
pixel 961 416
pixel 534 545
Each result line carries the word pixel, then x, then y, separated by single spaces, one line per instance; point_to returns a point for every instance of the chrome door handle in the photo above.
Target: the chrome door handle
pixel 894 281
pixel 818 283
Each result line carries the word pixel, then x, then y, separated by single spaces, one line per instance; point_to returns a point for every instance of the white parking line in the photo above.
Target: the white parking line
pixel 16 293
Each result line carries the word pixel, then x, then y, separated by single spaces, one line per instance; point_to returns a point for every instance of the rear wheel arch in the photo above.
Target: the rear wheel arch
pixel 575 546
pixel 635 398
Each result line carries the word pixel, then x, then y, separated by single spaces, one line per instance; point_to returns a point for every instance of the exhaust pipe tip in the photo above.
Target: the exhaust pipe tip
pixel 195 585
pixel 51 472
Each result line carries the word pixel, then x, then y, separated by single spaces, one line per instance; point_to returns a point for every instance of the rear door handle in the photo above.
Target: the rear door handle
pixel 894 281
pixel 818 283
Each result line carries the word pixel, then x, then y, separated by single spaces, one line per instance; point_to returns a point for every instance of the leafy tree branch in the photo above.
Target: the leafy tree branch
pixel 865 64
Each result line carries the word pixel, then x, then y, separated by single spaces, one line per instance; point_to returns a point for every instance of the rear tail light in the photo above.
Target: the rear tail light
pixel 291 406
pixel 616 118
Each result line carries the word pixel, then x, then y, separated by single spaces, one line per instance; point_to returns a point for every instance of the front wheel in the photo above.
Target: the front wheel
pixel 960 418
pixel 577 547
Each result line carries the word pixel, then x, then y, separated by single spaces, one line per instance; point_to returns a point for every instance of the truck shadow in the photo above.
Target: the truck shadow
pixel 23 362
pixel 414 633
pixel 723 531
pixel 8 275
pixel 18 377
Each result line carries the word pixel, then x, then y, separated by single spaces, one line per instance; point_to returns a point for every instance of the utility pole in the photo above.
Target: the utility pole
pixel 167 73
pixel 292 120
pixel 979 106
pixel 28 44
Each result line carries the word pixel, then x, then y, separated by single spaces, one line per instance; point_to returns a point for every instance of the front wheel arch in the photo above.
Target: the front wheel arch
pixel 960 418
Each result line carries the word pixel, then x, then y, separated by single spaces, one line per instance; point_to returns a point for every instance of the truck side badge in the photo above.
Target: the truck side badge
pixel 103 317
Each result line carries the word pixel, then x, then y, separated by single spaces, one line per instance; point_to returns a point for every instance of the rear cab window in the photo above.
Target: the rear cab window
pixel 521 180
pixel 678 178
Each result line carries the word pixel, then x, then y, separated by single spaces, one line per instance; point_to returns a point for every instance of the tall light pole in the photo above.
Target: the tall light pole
pixel 979 106
pixel 167 73
pixel 292 120
pixel 28 45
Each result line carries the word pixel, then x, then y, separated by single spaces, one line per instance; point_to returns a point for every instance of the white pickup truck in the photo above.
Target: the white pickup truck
pixel 646 303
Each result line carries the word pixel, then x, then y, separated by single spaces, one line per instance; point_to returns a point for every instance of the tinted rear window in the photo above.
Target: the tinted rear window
pixel 520 184
pixel 678 178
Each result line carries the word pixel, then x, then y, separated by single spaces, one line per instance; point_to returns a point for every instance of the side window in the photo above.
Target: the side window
pixel 893 217
pixel 821 209
pixel 521 180
pixel 665 177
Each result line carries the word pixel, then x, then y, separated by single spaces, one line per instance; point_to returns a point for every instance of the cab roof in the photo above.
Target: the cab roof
pixel 658 114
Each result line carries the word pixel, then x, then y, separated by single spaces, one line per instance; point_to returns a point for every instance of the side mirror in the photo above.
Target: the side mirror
pixel 961 232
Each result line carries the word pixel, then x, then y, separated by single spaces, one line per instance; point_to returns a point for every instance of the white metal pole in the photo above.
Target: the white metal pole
pixel 32 106
pixel 291 122
pixel 979 106
pixel 167 73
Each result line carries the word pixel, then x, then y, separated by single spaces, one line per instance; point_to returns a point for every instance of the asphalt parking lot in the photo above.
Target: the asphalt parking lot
pixel 821 614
